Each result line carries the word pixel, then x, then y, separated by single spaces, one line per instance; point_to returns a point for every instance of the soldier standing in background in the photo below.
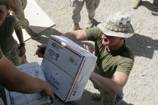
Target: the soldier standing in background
pixel 17 7
pixel 11 49
pixel 91 6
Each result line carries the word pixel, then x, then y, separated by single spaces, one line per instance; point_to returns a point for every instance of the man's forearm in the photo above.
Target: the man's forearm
pixel 105 84
pixel 25 83
pixel 77 35
pixel 15 80
pixel 19 35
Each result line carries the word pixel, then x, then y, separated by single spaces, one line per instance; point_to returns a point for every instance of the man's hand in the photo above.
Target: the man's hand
pixel 47 90
pixel 15 80
pixel 22 49
pixel 41 50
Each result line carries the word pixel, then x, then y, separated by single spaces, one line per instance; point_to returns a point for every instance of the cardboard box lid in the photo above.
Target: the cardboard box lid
pixel 68 43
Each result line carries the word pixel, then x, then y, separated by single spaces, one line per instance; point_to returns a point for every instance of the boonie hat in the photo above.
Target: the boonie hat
pixel 118 25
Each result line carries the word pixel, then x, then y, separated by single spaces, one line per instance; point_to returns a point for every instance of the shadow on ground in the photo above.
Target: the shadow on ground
pixel 87 100
pixel 142 45
pixel 150 7
pixel 44 35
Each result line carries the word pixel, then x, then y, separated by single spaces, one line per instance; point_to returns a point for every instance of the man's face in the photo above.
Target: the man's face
pixel 3 13
pixel 111 41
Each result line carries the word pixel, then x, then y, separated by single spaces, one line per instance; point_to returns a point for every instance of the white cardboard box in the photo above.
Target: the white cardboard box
pixel 16 98
pixel 67 67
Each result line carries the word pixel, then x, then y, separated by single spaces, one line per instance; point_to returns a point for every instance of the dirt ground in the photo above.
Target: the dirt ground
pixel 142 87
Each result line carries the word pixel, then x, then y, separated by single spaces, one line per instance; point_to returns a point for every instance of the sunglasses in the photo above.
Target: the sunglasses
pixel 108 37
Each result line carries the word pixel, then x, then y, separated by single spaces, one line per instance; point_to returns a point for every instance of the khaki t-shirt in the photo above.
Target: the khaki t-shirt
pixel 109 62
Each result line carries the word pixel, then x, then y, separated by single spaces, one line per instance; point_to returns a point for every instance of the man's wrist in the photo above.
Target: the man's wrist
pixel 22 44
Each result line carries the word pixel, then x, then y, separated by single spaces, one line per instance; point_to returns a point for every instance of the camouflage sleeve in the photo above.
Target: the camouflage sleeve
pixel 125 65
pixel 17 24
pixel 92 33
pixel 13 21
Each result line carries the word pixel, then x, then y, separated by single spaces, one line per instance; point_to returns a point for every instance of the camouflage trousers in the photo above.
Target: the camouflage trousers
pixel 18 6
pixel 13 55
pixel 107 99
pixel 91 6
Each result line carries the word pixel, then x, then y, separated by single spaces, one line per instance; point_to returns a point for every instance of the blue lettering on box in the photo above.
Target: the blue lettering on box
pixel 53 55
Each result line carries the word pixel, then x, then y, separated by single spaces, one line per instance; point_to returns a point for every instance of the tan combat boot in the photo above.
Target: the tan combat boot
pixel 77 26
pixel 93 22
pixel 136 4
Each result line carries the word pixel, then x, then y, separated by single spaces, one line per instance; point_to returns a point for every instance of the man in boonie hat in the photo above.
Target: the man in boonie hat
pixel 91 6
pixel 114 59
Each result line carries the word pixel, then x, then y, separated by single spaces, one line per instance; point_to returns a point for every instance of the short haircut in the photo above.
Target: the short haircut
pixel 3 2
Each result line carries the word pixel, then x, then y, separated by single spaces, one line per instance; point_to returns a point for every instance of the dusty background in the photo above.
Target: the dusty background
pixel 142 87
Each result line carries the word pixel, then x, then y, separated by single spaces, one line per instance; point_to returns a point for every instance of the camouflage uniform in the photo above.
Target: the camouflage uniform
pixel 13 55
pixel 110 61
pixel 91 6
pixel 8 45
pixel 18 6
